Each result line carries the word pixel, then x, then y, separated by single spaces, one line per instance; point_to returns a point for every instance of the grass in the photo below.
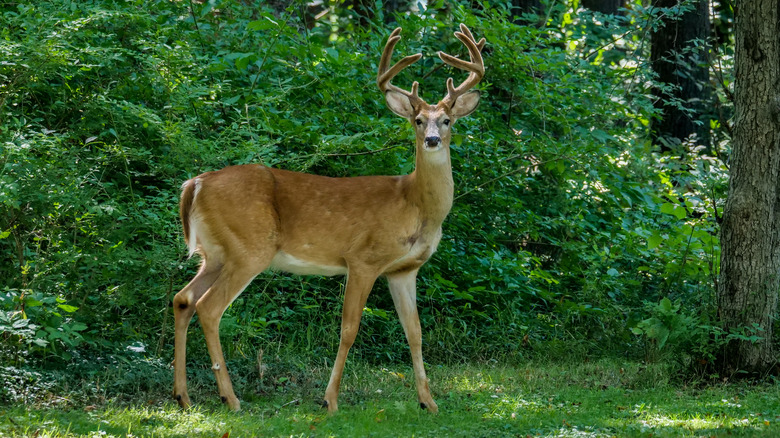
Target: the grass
pixel 600 399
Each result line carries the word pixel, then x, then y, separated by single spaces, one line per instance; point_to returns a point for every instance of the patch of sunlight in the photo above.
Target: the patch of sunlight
pixel 733 403
pixel 574 431
pixel 508 408
pixel 501 406
pixel 624 158
pixel 161 421
pixel 656 420
pixel 310 418
pixel 494 402
pixel 466 384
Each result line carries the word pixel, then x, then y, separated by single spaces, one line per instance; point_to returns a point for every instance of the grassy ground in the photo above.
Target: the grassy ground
pixel 585 400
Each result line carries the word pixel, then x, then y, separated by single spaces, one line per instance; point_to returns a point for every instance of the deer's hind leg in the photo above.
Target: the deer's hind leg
pixel 244 253
pixel 241 229
pixel 183 310
pixel 233 279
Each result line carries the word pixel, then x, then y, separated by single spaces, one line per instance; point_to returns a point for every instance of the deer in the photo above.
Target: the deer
pixel 243 220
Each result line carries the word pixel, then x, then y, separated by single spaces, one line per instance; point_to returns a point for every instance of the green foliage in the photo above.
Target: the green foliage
pixel 666 324
pixel 43 325
pixel 566 219
pixel 678 336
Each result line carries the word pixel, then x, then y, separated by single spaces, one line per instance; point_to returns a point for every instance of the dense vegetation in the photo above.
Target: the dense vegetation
pixel 573 233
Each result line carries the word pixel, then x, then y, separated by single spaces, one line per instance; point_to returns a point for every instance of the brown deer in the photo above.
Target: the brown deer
pixel 243 220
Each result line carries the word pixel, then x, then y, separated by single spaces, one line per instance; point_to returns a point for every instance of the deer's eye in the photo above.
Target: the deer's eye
pixel 447 122
pixel 418 122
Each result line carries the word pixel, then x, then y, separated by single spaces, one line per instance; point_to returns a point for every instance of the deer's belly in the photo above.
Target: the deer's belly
pixel 288 263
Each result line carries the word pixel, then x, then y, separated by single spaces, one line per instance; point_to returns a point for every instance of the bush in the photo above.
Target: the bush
pixel 566 219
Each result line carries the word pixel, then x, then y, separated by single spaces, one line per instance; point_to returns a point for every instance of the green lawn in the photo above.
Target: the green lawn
pixel 587 400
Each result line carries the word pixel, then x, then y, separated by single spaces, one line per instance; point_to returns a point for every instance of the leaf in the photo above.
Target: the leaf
pixel 232 100
pixel 673 209
pixel 662 335
pixel 612 272
pixel 40 342
pixel 78 326
pixel 628 199
pixel 54 334
pixel 400 376
pixel 243 60
pixel 654 240
pixel 333 53
pixel 32 302
pixel 264 24
pixel 600 135
pixel 68 308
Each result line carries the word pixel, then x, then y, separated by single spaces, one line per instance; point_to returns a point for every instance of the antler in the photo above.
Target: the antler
pixel 476 67
pixel 384 74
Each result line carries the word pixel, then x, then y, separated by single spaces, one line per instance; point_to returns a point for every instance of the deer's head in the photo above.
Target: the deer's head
pixel 432 123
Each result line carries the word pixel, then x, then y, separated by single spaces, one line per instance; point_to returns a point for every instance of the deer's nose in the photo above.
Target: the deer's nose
pixel 432 142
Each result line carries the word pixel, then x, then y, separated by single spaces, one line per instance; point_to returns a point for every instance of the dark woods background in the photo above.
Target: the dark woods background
pixel 589 183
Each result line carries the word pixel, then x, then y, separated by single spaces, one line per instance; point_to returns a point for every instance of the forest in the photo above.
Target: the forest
pixel 609 266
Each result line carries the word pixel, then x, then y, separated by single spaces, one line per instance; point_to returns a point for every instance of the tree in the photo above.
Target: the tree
pixel 679 59
pixel 750 234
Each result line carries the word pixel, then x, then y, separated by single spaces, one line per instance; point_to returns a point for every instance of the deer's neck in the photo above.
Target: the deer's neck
pixel 431 184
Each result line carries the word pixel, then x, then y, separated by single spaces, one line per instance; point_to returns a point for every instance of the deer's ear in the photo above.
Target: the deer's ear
pixel 399 104
pixel 465 104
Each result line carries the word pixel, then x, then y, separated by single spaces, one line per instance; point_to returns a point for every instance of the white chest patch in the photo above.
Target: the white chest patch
pixel 437 155
pixel 287 263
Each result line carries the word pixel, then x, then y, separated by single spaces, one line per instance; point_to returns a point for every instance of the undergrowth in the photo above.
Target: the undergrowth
pixel 567 229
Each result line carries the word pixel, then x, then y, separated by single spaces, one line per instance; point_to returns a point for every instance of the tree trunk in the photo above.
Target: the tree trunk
pixel 750 234
pixel 683 67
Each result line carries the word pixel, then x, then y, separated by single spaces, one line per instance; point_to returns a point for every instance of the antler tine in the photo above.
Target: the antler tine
pixel 385 75
pixel 476 67
pixel 465 30
pixel 389 46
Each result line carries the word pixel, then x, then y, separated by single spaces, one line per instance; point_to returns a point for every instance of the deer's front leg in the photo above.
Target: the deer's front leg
pixel 403 288
pixel 359 285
